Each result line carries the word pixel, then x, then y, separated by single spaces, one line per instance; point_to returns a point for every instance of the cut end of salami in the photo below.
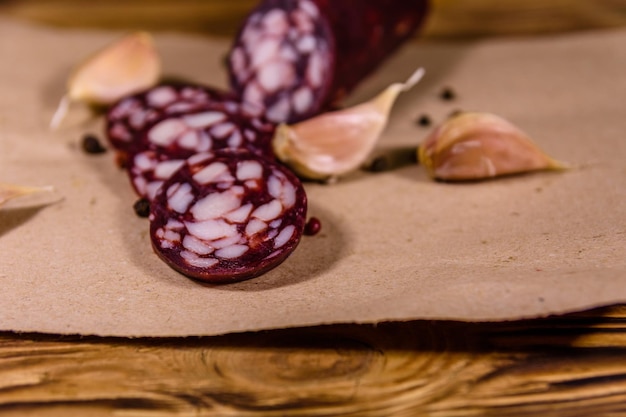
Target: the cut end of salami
pixel 297 58
pixel 282 59
pixel 227 216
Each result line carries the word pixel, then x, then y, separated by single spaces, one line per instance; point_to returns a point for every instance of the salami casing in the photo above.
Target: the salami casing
pixel 299 57
pixel 227 216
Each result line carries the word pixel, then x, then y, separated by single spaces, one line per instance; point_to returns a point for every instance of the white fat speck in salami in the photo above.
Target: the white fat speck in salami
pixel 235 140
pixel 228 230
pixel 240 214
pixel 248 170
pixel 140 118
pixel 302 99
pixel 161 96
pixel 223 130
pixel 284 236
pixel 181 199
pixel 306 44
pixel 215 205
pixel 190 140
pixel 197 246
pixel 166 132
pixel 203 119
pixel 231 252
pixel 226 241
pixel 121 132
pixel 268 211
pixel 275 75
pixel 309 8
pixel 210 173
pixel 255 226
pixel 211 229
pixel 279 110
pixel 276 22
pixel 267 49
pixel 165 169
pixel 253 94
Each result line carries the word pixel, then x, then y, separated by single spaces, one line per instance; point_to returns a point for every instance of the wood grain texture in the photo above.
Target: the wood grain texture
pixel 571 365
pixel 448 18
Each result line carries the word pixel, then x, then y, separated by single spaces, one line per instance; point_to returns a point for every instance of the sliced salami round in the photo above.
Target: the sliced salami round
pixel 132 114
pixel 162 148
pixel 297 58
pixel 227 216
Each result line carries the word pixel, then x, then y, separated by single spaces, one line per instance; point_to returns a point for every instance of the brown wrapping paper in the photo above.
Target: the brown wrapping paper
pixel 394 245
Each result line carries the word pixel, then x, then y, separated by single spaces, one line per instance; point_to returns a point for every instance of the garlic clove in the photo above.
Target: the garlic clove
pixel 478 145
pixel 335 143
pixel 126 66
pixel 10 191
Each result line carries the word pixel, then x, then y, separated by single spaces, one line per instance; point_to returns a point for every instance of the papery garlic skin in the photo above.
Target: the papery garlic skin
pixel 336 143
pixel 10 191
pixel 122 68
pixel 478 145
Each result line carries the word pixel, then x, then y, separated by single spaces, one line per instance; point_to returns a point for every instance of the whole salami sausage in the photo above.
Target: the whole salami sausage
pixel 227 216
pixel 299 57
pixel 161 148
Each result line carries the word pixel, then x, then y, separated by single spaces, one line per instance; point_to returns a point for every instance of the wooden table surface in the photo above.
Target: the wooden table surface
pixel 569 365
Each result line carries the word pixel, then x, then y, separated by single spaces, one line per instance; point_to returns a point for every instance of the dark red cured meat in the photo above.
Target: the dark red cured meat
pixel 130 115
pixel 163 147
pixel 228 216
pixel 300 57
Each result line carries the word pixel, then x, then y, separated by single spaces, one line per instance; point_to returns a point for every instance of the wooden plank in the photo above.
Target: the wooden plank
pixel 452 19
pixel 449 18
pixel 568 365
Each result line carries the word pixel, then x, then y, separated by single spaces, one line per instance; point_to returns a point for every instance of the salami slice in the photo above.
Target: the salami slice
pixel 227 216
pixel 132 114
pixel 164 146
pixel 298 57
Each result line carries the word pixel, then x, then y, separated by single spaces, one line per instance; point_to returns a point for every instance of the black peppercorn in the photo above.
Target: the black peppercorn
pixel 91 144
pixel 142 207
pixel 424 120
pixel 448 94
